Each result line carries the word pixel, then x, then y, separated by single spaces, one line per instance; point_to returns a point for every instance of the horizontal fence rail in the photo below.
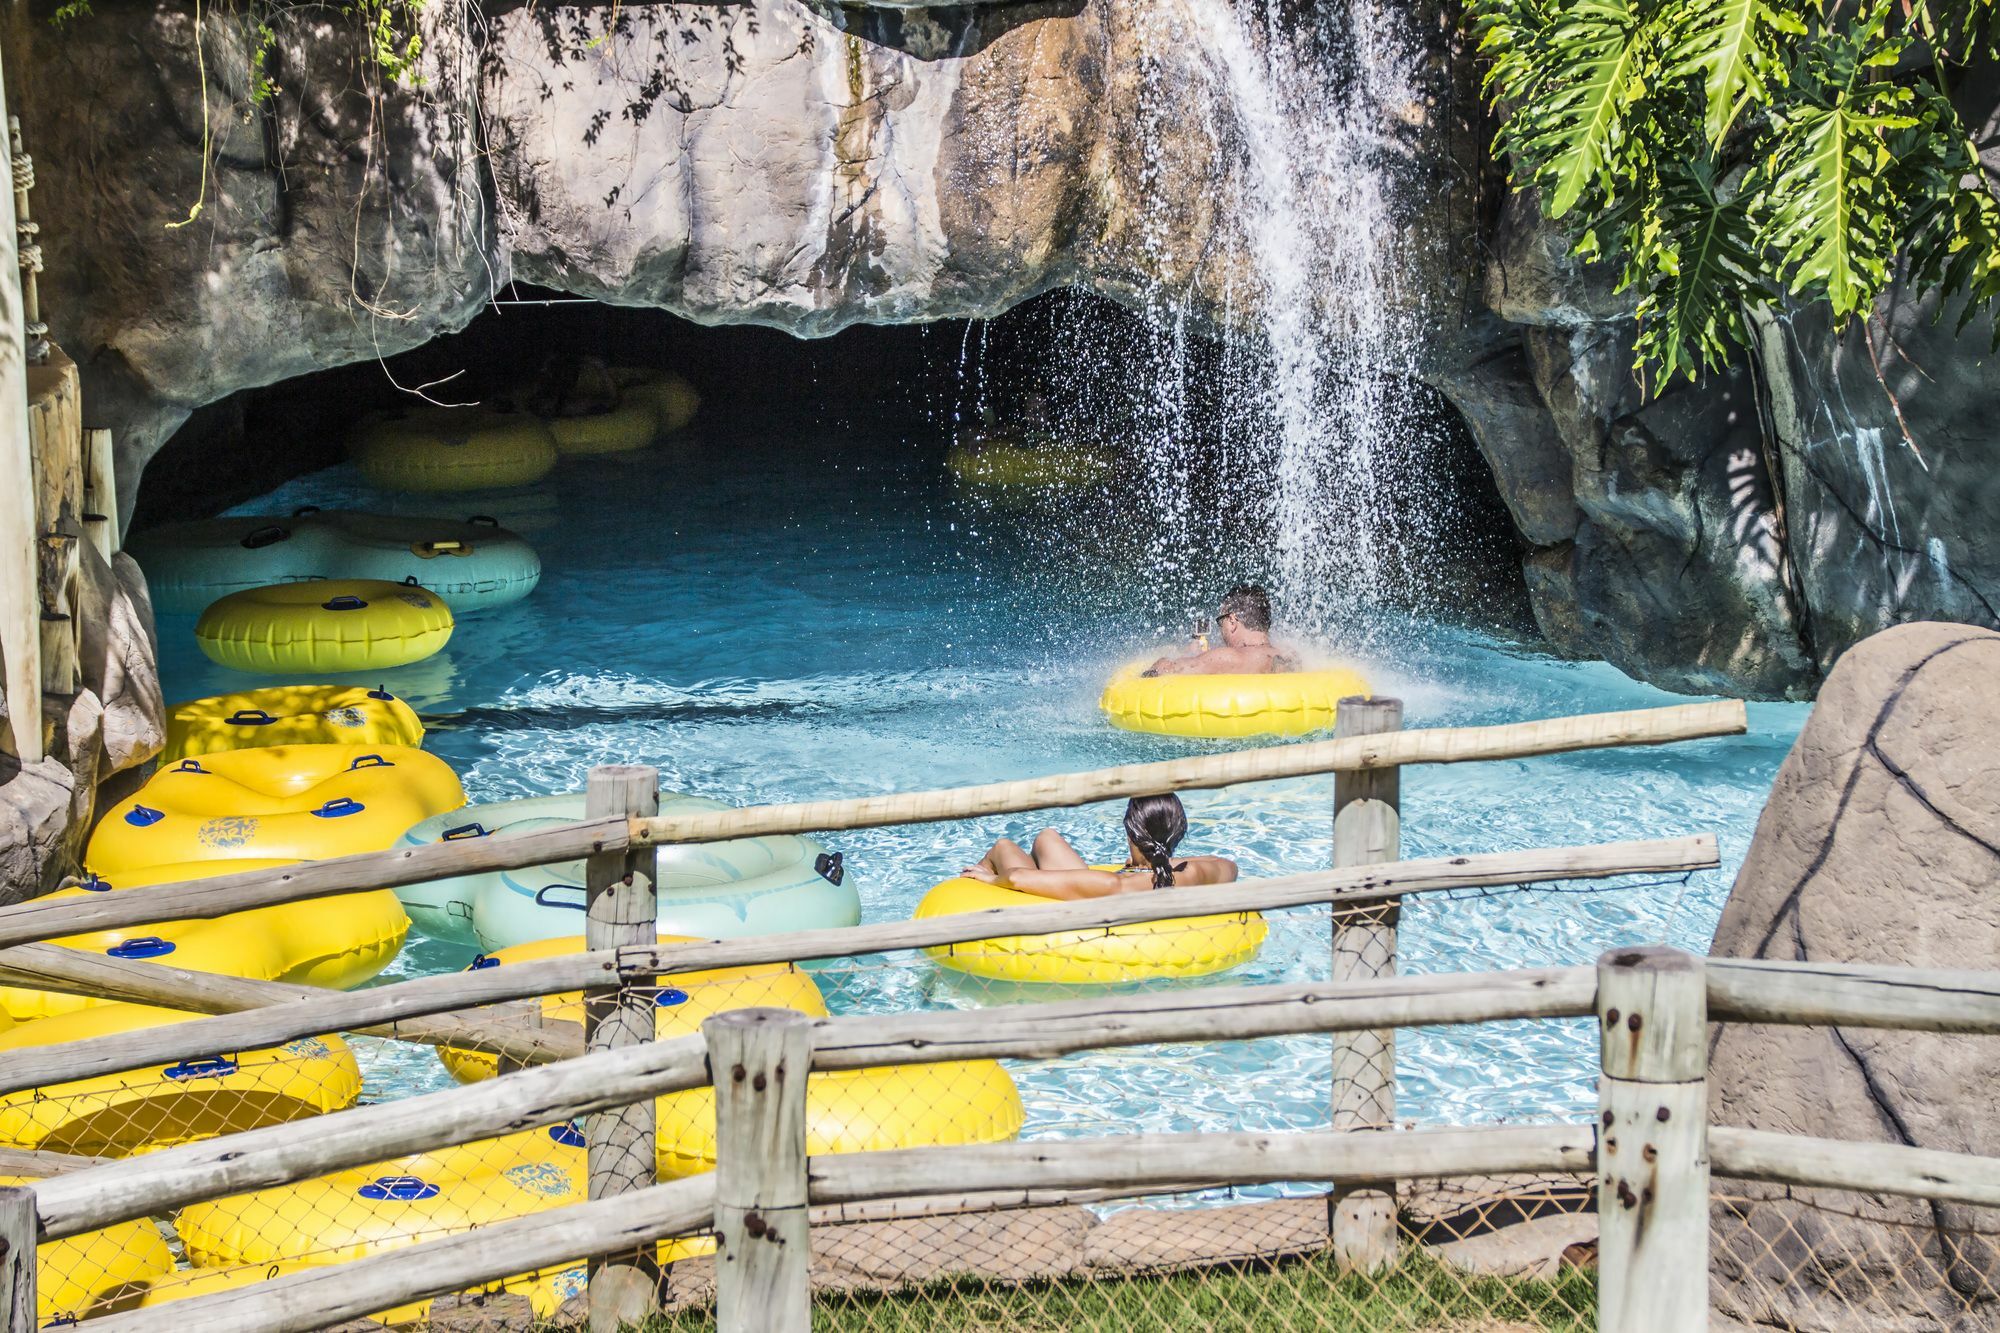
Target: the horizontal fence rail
pixel 896 1182
pixel 139 1186
pixel 44 919
pixel 1437 745
pixel 338 1011
pixel 318 1297
pixel 1870 1168
pixel 1855 995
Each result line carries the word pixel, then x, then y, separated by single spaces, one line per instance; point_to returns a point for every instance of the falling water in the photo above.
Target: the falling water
pixel 1315 411
pixel 1274 452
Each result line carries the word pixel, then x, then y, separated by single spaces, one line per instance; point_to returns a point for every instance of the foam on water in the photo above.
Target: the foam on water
pixel 776 615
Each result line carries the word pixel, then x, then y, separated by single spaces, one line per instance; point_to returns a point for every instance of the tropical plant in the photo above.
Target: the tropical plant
pixel 1719 152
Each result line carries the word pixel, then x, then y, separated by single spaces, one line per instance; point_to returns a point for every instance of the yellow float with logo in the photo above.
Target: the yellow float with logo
pixel 1228 706
pixel 672 399
pixel 403 1201
pixel 1195 946
pixel 290 715
pixel 898 1106
pixel 685 999
pixel 546 1290
pixel 324 625
pixel 280 802
pixel 431 449
pixel 91 1273
pixel 179 1101
pixel 337 942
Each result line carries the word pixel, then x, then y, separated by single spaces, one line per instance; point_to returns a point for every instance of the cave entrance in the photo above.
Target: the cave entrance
pixel 1067 369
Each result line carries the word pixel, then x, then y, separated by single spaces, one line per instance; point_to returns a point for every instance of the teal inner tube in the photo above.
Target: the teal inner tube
pixel 720 890
pixel 473 564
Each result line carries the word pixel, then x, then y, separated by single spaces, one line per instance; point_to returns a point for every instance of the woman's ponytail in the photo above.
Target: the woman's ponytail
pixel 1156 825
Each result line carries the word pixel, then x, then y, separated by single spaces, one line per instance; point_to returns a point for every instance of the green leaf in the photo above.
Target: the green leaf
pixel 1701 268
pixel 1568 132
pixel 1730 46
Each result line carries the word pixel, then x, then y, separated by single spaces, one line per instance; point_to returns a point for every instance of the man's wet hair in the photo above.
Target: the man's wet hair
pixel 1249 604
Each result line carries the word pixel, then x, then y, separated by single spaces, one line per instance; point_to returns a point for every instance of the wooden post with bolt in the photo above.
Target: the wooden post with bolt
pixel 20 1233
pixel 621 1144
pixel 759 1059
pixel 1652 1142
pixel 1367 830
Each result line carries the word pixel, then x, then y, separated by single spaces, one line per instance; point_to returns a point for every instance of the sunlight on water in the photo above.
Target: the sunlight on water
pixel 828 617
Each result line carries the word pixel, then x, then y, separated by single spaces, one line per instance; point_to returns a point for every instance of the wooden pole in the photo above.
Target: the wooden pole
pixel 1652 1147
pixel 759 1059
pixel 620 910
pixel 19 1232
pixel 20 599
pixel 100 493
pixel 1367 830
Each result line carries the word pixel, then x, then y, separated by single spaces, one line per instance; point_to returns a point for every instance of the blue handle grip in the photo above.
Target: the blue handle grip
pixel 215 1066
pixel 402 1189
pixel 339 807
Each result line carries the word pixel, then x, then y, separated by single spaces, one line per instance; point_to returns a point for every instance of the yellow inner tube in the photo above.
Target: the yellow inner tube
pixel 324 625
pixel 290 715
pixel 178 1101
pixel 1281 703
pixel 1194 946
pixel 73 1276
pixel 687 997
pixel 991 462
pixel 336 942
pixel 431 449
pixel 672 399
pixel 899 1106
pixel 281 802
pixel 862 1110
pixel 623 429
pixel 405 1201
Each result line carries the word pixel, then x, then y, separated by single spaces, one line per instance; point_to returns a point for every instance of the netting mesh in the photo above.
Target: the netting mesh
pixel 1830 1261
pixel 1485 1255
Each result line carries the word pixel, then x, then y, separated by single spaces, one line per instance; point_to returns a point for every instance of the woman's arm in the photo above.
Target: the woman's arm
pixel 1074 884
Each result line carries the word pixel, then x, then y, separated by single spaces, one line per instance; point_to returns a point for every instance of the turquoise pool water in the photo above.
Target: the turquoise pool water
pixel 816 611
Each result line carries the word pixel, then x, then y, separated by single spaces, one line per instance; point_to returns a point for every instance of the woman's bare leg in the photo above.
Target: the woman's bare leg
pixel 1053 852
pixel 1005 857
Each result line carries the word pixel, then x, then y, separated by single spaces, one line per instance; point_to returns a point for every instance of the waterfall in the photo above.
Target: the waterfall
pixel 1311 416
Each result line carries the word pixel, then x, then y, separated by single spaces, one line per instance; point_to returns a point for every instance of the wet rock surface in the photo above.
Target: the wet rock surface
pixel 1881 844
pixel 115 723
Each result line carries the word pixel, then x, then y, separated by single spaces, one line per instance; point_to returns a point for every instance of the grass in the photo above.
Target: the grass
pixel 1419 1295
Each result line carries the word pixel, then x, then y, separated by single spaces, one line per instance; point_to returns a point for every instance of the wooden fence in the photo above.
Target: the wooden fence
pixel 610 1073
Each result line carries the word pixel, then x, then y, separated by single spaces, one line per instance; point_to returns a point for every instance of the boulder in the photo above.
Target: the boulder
pixel 1880 844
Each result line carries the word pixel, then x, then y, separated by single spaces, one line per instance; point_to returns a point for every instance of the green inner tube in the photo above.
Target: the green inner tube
pixel 722 890
pixel 471 564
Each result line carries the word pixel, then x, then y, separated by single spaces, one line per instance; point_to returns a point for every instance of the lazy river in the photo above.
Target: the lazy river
pixel 819 611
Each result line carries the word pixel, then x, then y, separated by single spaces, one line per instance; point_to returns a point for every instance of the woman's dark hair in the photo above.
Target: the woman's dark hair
pixel 1156 825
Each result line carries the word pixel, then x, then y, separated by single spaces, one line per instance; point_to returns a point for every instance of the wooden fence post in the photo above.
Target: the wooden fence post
pixel 759 1059
pixel 1652 1142
pixel 620 1144
pixel 20 1232
pixel 1367 830
pixel 100 493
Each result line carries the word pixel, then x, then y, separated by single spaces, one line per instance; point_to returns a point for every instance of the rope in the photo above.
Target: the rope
pixel 31 257
pixel 24 172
